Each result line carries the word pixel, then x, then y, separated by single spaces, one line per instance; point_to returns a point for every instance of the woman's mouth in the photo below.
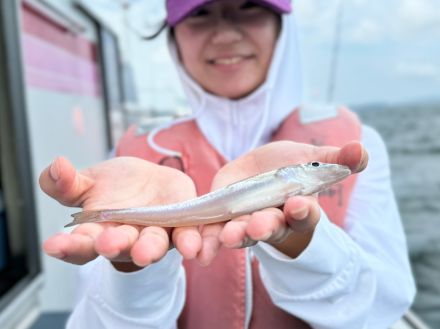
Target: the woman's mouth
pixel 228 61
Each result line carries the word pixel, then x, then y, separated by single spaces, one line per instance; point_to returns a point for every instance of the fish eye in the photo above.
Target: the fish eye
pixel 315 164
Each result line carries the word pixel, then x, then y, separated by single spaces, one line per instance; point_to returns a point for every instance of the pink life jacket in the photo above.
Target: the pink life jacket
pixel 216 295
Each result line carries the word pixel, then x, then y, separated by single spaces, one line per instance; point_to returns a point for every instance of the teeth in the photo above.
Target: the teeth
pixel 229 61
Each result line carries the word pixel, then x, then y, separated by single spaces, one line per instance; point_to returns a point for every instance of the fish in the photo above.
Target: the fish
pixel 265 190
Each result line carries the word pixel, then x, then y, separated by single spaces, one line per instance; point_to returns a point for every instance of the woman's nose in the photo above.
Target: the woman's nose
pixel 226 32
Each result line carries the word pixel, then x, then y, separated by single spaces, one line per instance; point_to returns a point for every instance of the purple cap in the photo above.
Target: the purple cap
pixel 179 9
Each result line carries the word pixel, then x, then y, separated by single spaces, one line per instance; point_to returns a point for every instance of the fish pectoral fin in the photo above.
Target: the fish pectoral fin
pixel 297 191
pixel 217 216
pixel 209 219
pixel 234 213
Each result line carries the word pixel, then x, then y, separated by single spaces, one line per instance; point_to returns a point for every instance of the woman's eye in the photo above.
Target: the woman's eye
pixel 249 5
pixel 200 13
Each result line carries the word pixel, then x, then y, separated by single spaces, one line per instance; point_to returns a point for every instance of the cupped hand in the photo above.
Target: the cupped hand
pixel 288 229
pixel 118 183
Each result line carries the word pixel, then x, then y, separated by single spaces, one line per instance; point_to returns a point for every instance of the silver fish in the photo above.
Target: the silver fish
pixel 269 189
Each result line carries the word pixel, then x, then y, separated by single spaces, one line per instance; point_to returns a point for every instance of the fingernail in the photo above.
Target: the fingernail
pixel 299 214
pixel 110 255
pixel 54 171
pixel 234 245
pixel 206 259
pixel 189 242
pixel 264 237
pixel 191 239
pixel 58 255
pixel 364 162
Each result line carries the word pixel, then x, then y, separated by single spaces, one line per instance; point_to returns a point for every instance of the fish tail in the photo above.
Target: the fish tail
pixel 88 216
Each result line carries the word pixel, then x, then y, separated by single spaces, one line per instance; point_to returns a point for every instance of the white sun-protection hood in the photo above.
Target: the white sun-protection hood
pixel 235 127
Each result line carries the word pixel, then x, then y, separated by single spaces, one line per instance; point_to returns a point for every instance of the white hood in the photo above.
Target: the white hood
pixel 235 127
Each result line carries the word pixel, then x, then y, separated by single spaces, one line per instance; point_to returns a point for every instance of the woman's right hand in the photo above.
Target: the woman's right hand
pixel 118 183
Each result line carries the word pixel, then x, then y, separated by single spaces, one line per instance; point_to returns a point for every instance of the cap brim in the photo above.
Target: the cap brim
pixel 177 9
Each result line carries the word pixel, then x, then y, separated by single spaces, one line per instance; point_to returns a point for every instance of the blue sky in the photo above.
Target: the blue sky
pixel 389 50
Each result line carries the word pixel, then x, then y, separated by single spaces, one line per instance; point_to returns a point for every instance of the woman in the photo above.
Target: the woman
pixel 238 64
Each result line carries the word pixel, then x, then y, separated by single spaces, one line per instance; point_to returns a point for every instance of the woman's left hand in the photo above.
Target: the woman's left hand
pixel 289 229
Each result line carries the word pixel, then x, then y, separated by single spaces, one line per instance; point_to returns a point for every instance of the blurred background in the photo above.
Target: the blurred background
pixel 74 74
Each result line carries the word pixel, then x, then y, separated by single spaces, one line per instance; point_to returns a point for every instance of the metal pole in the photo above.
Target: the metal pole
pixel 335 52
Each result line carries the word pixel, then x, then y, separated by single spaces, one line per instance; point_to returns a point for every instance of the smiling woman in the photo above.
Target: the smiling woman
pixel 293 266
pixel 231 46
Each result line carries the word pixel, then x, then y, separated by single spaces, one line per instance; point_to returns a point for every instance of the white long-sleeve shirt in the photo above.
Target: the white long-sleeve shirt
pixel 354 278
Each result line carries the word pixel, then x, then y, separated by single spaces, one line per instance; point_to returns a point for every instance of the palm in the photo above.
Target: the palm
pixel 118 183
pixel 278 154
pixel 131 182
pixel 300 214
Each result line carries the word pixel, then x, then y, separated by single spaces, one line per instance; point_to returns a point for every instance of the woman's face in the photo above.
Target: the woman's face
pixel 227 46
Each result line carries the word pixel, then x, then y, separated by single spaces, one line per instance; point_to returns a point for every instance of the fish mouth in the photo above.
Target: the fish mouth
pixel 338 176
pixel 329 179
pixel 344 172
pixel 325 181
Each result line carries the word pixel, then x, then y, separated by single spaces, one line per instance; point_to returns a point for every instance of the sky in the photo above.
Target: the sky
pixel 389 51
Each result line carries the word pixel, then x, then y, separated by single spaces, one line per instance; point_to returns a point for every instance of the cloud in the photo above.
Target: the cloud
pixel 362 20
pixel 417 18
pixel 365 32
pixel 366 22
pixel 426 71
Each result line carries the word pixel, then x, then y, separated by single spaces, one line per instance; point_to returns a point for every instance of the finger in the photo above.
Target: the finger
pixel 152 245
pixel 62 182
pixel 234 234
pixel 248 242
pixel 302 213
pixel 354 156
pixel 115 243
pixel 268 225
pixel 351 154
pixel 210 243
pixel 188 241
pixel 284 153
pixel 77 247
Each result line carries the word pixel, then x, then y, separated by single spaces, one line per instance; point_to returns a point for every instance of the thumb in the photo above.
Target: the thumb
pixel 61 181
pixel 352 155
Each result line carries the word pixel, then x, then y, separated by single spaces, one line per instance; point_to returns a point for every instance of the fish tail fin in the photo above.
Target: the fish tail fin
pixel 88 216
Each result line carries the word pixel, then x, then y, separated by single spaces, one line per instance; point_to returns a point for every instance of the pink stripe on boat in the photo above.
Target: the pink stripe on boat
pixel 56 60
pixel 46 65
pixel 42 27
